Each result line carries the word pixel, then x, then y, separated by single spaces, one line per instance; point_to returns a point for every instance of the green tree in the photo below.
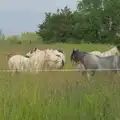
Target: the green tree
pixel 57 27
pixel 93 21
pixel 103 19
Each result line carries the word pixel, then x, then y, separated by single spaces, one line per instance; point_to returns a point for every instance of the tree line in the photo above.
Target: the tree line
pixel 93 21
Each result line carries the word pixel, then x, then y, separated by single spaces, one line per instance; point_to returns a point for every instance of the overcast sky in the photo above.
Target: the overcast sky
pixel 18 16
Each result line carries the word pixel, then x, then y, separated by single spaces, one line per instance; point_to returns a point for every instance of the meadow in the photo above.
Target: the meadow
pixel 57 95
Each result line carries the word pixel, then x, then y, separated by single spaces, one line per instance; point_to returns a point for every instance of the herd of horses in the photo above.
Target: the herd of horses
pixel 36 60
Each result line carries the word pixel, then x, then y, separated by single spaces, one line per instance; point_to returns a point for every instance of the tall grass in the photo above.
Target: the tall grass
pixel 57 95
pixel 44 97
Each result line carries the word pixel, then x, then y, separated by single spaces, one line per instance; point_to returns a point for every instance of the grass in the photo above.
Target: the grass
pixel 57 95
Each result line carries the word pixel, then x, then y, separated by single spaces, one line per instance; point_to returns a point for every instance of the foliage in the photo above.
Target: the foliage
pixel 26 37
pixel 93 21
pixel 14 39
pixel 2 36
pixel 30 37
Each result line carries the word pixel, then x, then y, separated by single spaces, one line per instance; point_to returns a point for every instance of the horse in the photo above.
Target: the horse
pixel 17 63
pixel 60 53
pixel 113 51
pixel 53 58
pixel 95 62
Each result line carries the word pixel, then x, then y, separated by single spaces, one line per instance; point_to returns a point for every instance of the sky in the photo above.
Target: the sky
pixel 18 16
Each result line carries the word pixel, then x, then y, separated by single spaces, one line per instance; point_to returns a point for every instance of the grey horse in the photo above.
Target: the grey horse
pixel 95 62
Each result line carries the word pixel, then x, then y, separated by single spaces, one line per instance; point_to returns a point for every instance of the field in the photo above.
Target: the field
pixel 57 95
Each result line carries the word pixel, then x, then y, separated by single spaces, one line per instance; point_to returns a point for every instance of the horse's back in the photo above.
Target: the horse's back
pixel 18 58
pixel 110 62
pixel 90 61
pixel 17 62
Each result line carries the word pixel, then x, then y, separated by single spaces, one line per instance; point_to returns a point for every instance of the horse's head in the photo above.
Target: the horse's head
pixel 77 56
pixel 73 56
pixel 32 52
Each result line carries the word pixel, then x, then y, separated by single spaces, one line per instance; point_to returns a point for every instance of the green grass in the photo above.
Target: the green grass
pixel 57 95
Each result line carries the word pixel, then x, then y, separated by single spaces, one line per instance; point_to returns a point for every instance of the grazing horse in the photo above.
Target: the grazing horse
pixel 95 62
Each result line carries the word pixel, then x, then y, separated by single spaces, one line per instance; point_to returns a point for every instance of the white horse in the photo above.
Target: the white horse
pixel 55 59
pixel 113 51
pixel 52 60
pixel 36 59
pixel 18 63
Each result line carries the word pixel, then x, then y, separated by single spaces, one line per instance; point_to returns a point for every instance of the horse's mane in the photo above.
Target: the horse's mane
pixel 59 50
pixel 10 55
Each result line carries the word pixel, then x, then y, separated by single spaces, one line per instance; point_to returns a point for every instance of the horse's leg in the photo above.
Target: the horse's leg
pixel 118 72
pixel 17 72
pixel 93 73
pixel 83 72
pixel 88 75
pixel 13 73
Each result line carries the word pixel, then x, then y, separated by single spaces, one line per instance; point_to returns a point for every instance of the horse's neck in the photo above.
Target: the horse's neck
pixel 81 58
pixel 113 49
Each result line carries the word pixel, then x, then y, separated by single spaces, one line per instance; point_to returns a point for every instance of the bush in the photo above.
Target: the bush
pixel 30 37
pixel 14 39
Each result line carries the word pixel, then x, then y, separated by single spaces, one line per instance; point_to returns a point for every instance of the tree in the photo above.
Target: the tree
pixel 56 27
pixel 2 36
pixel 93 21
pixel 30 37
